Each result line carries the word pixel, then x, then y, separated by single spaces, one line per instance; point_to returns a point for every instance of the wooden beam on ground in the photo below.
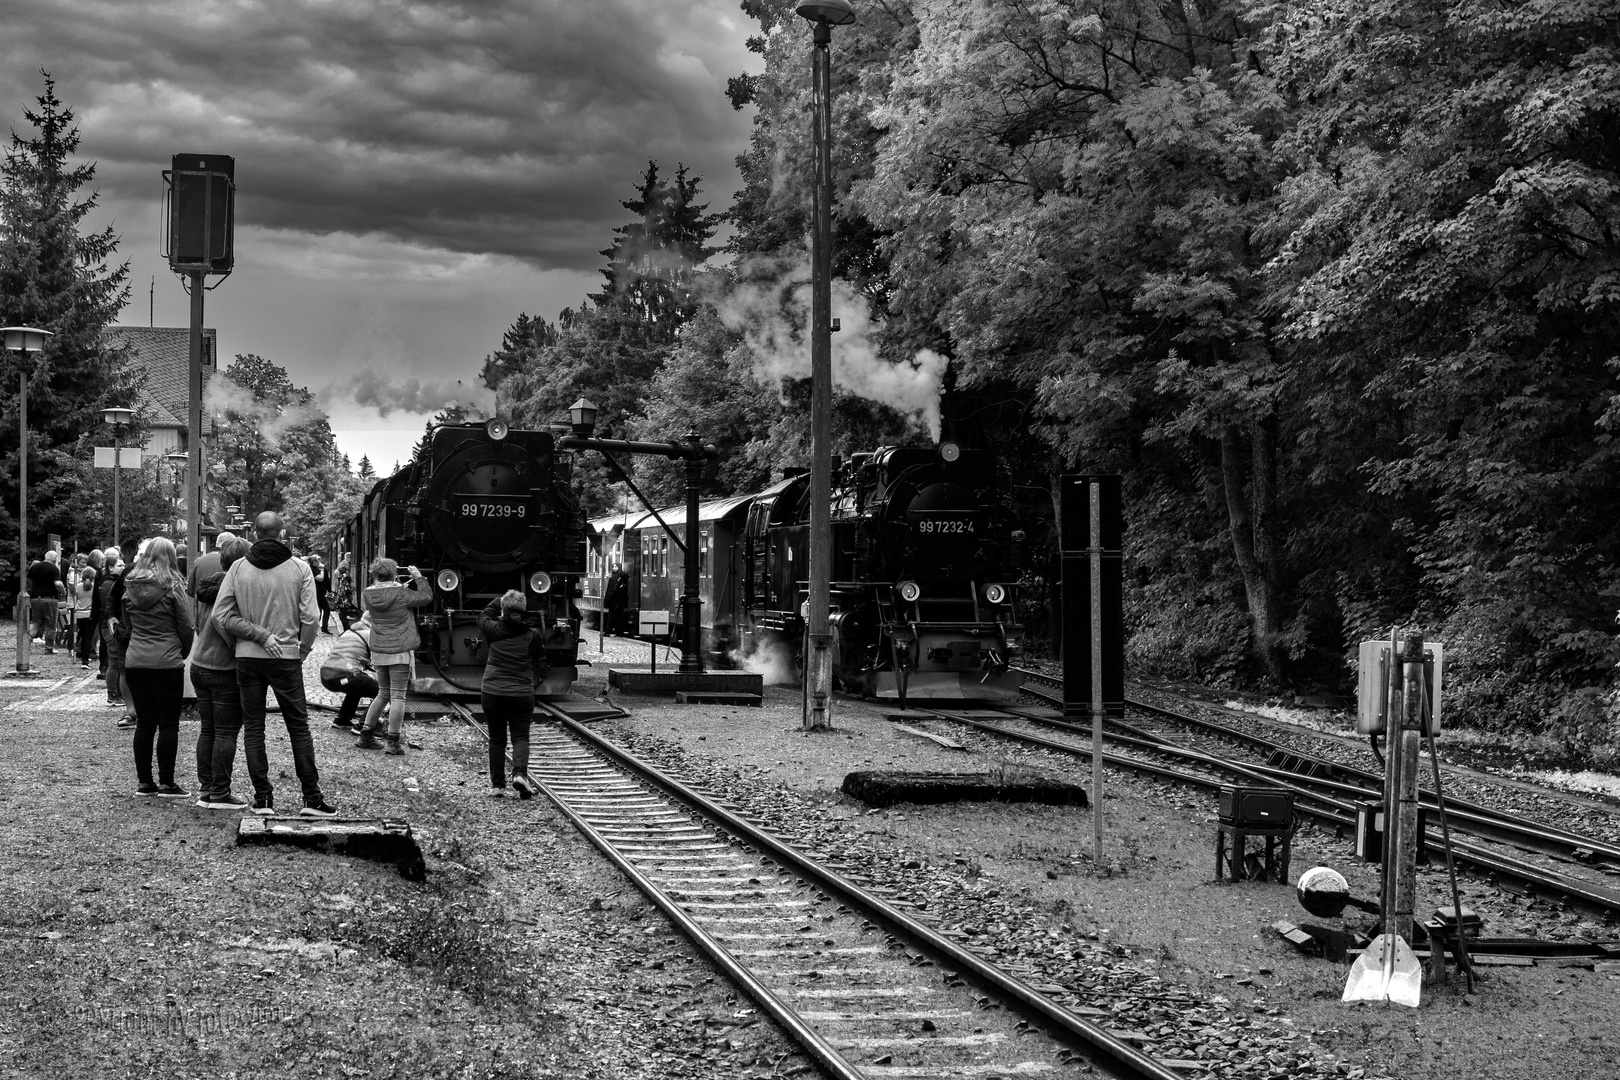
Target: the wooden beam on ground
pixel 362 838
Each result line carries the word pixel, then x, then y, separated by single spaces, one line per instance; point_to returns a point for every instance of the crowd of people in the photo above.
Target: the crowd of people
pixel 246 616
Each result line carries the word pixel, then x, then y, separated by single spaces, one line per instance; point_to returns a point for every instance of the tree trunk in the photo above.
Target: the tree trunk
pixel 1252 519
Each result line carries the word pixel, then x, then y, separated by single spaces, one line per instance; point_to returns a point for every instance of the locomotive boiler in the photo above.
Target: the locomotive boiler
pixel 485 510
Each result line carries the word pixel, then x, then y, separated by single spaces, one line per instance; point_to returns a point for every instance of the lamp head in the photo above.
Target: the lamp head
pixel 582 416
pixel 24 339
pixel 117 417
pixel 832 12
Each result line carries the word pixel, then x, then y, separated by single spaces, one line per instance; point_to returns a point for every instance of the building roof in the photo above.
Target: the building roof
pixel 164 353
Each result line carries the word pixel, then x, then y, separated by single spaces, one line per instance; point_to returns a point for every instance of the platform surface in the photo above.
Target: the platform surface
pixel 667 682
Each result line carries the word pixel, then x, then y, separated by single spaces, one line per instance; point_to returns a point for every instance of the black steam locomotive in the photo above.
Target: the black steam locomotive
pixel 923 566
pixel 486 510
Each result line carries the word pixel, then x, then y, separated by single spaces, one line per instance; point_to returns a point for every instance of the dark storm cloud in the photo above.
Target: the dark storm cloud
pixel 480 126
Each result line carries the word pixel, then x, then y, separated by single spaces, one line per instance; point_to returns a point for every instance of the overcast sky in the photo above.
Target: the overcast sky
pixel 409 175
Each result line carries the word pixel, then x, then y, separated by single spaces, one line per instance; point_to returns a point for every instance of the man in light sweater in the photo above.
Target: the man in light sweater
pixel 267 604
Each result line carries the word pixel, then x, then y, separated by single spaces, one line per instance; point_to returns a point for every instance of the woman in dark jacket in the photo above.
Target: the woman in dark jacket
pixel 219 699
pixel 512 675
pixel 157 618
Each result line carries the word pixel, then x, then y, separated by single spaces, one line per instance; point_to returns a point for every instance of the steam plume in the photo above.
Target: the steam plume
pixel 774 319
pixel 413 395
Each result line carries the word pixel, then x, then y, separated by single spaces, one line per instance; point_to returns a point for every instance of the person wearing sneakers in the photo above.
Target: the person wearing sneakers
pixel 219 699
pixel 346 671
pixel 267 604
pixel 158 631
pixel 44 589
pixel 512 675
pixel 393 642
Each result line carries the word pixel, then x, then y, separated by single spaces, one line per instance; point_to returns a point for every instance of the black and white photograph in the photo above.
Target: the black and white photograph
pixel 851 539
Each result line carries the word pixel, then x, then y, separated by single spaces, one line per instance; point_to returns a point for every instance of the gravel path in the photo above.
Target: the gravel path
pixel 1188 966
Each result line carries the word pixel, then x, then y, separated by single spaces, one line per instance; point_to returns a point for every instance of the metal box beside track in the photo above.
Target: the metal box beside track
pixel 1256 807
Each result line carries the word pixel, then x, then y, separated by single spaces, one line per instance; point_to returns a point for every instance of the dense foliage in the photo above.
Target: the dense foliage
pixel 1334 285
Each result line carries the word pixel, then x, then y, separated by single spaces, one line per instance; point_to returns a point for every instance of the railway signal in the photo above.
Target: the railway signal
pixel 199 239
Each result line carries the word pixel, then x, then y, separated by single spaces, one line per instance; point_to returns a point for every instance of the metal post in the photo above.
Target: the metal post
pixel 1096 676
pixel 1404 894
pixel 118 466
pixel 691 602
pixel 194 424
pixel 24 639
pixel 818 644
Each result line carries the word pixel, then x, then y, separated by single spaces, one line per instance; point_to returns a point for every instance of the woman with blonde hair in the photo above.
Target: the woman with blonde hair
pixel 157 622
pixel 512 676
pixel 394 640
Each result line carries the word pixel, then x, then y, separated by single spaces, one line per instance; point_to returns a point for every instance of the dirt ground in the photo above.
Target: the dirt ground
pixel 137 939
pixel 136 936
pixel 1156 896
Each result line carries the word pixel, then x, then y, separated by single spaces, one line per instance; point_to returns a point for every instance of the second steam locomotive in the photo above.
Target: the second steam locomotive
pixel 922 576
pixel 486 509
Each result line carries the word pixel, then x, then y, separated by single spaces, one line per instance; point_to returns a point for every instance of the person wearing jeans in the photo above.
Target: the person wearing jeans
pixel 390 606
pixel 159 634
pixel 344 672
pixel 213 676
pixel 278 592
pixel 512 675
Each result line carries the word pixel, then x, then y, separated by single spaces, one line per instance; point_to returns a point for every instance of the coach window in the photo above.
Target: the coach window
pixel 663 556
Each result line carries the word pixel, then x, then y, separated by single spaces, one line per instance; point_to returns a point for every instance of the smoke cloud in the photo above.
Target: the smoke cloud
pixel 272 421
pixel 374 390
pixel 775 319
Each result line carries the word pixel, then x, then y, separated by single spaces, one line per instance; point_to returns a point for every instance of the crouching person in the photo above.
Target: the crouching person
pixel 512 677
pixel 346 671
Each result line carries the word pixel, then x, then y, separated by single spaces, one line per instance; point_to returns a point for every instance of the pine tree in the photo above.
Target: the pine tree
pixel 653 264
pixel 367 470
pixel 56 277
pixel 522 340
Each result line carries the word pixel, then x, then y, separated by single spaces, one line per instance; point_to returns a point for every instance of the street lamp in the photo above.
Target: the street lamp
pixel 25 341
pixel 582 417
pixel 823 15
pixel 119 419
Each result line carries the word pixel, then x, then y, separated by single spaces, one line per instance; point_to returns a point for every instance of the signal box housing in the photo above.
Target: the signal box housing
pixel 200 205
pixel 1373 666
pixel 1256 807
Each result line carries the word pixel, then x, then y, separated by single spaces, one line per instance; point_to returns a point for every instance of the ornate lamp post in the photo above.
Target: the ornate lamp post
pixel 119 420
pixel 823 15
pixel 26 342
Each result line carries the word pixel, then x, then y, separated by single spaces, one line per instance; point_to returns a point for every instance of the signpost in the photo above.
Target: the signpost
pixel 653 625
pixel 1091 525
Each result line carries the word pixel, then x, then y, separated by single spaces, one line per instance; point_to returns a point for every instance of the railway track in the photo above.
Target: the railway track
pixel 867 990
pixel 1328 801
pixel 1351 784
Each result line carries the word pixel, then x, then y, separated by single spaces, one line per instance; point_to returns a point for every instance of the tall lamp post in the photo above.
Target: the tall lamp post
pixel 823 16
pixel 26 342
pixel 119 419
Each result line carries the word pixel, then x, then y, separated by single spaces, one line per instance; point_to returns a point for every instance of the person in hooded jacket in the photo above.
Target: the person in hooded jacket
pixel 394 640
pixel 157 615
pixel 219 699
pixel 512 676
pixel 346 671
pixel 267 604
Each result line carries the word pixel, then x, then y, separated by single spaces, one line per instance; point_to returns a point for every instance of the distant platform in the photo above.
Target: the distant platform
pixel 631 681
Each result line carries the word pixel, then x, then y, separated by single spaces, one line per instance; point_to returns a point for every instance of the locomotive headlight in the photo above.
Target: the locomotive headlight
pixel 909 591
pixel 949 451
pixel 540 581
pixel 448 580
pixel 498 429
pixel 995 594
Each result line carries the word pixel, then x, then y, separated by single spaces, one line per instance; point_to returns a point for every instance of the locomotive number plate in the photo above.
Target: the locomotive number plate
pixel 945 526
pixel 484 507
